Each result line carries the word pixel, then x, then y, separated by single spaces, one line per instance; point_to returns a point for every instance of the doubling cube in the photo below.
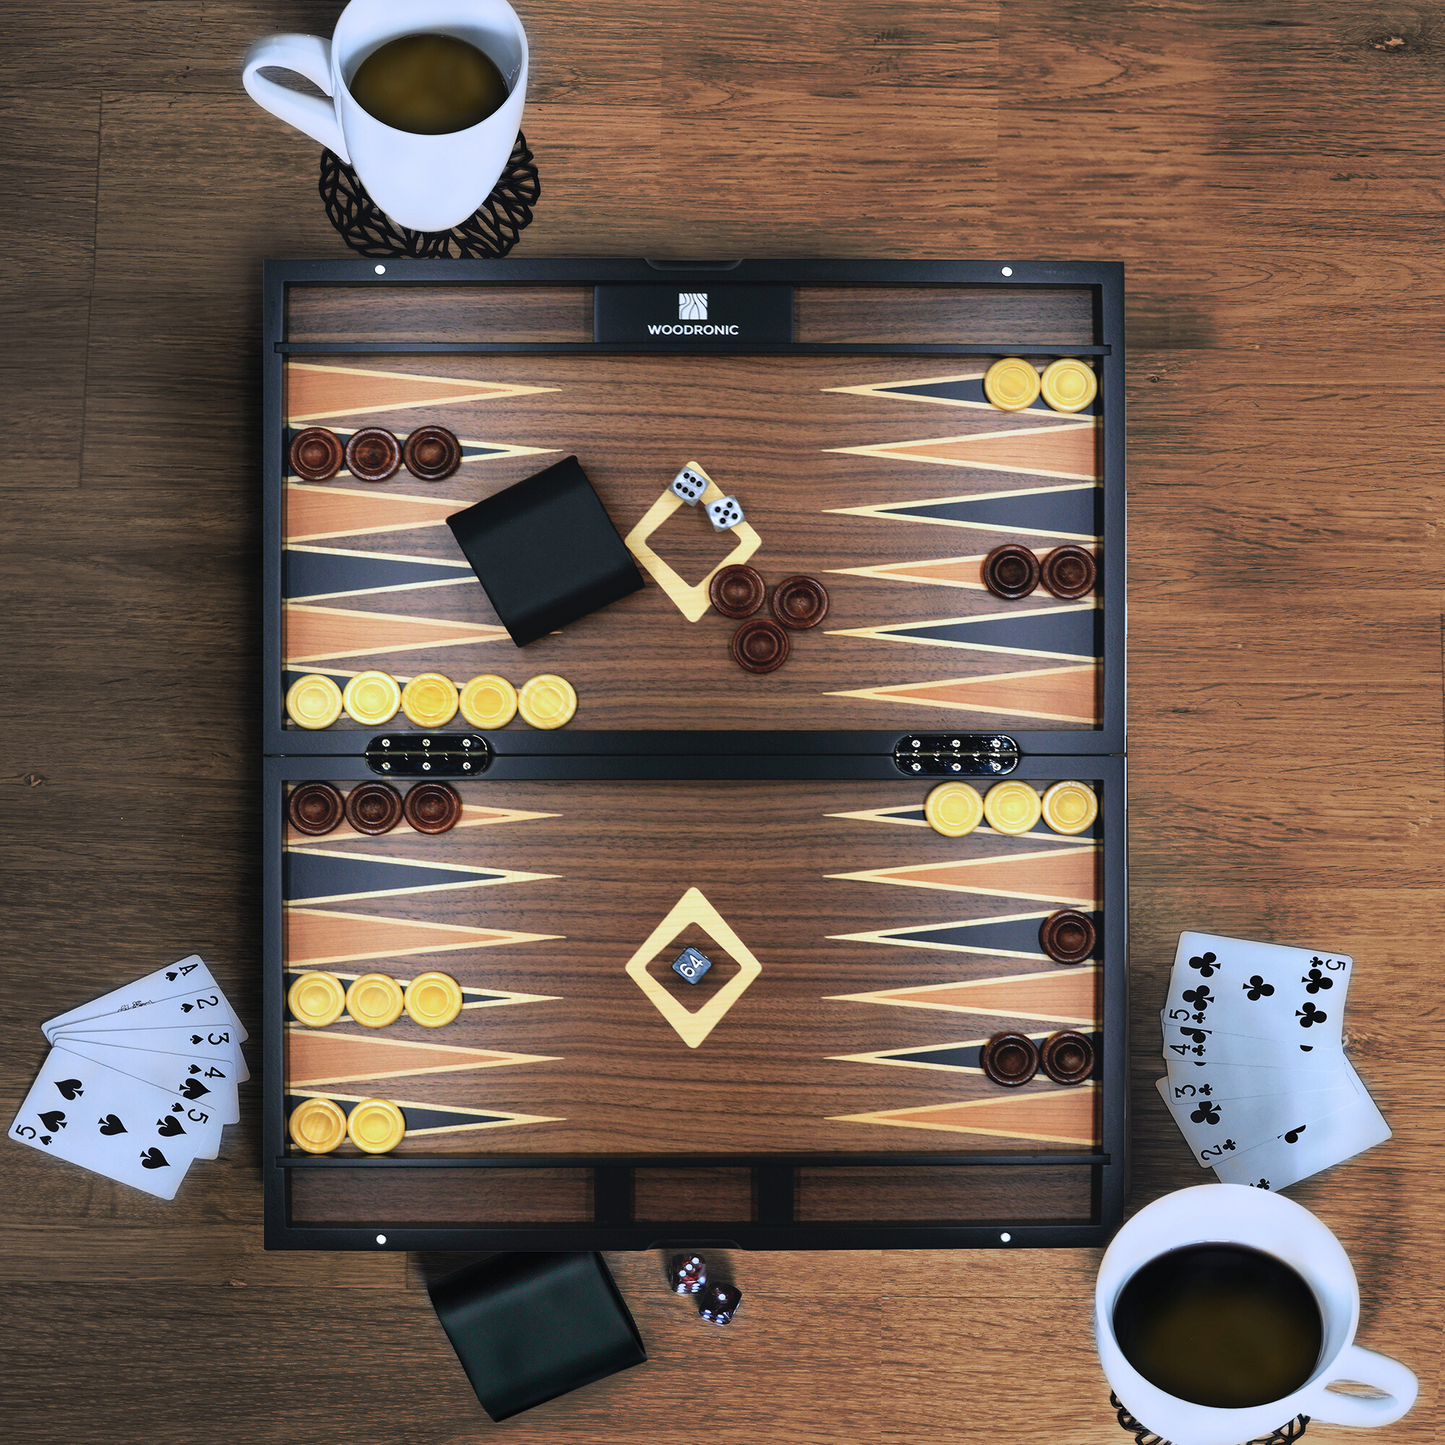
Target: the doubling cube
pixel 687 1273
pixel 724 513
pixel 719 1302
pixel 691 965
pixel 690 483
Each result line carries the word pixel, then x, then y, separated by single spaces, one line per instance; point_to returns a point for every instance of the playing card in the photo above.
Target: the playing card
pixel 113 1124
pixel 1216 1127
pixel 210 1080
pixel 188 974
pixel 201 1007
pixel 1244 1081
pixel 195 1043
pixel 1193 1044
pixel 1297 1152
pixel 1258 990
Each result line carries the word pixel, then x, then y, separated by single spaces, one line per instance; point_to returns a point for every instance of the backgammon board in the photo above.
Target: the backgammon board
pixel 823 1085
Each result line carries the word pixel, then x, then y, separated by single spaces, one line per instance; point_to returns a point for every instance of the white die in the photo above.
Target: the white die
pixel 690 483
pixel 724 513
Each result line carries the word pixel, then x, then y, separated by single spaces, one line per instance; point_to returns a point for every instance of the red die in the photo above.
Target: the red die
pixel 687 1273
pixel 719 1302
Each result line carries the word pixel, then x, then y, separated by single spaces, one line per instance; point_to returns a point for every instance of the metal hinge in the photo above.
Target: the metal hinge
pixel 429 755
pixel 971 754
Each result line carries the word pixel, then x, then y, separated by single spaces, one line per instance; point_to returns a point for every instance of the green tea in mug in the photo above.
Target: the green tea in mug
pixel 428 84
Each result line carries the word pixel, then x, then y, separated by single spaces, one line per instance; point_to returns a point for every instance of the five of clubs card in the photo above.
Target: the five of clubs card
pixel 140 1082
pixel 1258 1081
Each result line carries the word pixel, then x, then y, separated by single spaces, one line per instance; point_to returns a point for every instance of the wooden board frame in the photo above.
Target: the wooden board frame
pixel 612 1181
pixel 1103 280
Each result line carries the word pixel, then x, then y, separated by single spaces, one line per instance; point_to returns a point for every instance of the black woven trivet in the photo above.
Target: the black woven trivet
pixel 491 230
pixel 1145 1436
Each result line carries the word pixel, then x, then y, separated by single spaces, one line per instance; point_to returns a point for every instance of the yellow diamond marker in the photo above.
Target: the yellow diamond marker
pixel 693 908
pixel 1011 384
pixel 313 701
pixel 547 701
pixel 1012 807
pixel 1070 807
pixel 376 1126
pixel 953 809
pixel 433 999
pixel 1068 384
pixel 489 701
pixel 374 1000
pixel 316 999
pixel 430 700
pixel 372 698
pixel 317 1126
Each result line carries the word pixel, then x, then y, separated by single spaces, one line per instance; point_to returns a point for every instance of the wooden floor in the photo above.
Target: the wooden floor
pixel 1270 173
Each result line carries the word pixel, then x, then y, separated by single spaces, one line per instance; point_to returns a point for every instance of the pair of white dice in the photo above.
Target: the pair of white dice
pixel 691 482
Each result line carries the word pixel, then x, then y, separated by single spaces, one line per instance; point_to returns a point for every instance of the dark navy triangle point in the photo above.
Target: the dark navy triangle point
pixel 971 389
pixel 320 574
pixel 966 1056
pixel 1078 633
pixel 1069 512
pixel 312 875
pixel 416 1118
pixel 1018 935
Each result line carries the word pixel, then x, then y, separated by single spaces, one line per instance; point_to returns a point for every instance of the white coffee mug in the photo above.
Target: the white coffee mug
pixel 1236 1214
pixel 425 182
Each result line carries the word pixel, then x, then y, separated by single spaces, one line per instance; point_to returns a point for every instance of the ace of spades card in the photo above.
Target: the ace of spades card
pixel 114 1124
pixel 1290 996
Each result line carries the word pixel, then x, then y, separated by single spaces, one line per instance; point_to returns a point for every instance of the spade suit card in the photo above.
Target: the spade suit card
pixel 187 975
pixel 200 1007
pixel 214 1040
pixel 211 1082
pixel 1302 1148
pixel 1214 1128
pixel 110 1123
pixel 1259 990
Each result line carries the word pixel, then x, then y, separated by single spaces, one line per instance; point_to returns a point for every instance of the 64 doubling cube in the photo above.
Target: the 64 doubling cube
pixel 690 483
pixel 724 513
pixel 691 965
pixel 719 1302
pixel 688 1273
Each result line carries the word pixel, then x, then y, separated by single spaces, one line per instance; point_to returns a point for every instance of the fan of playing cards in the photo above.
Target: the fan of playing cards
pixel 139 1083
pixel 1258 1080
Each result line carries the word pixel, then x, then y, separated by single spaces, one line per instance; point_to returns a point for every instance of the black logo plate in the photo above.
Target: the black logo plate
pixel 692 316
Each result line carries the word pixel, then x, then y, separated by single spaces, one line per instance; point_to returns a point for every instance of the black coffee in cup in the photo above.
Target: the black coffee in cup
pixel 1220 1325
pixel 428 84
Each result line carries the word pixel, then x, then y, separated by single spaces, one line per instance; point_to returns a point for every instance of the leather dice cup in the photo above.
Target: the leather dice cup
pixel 530 1327
pixel 545 551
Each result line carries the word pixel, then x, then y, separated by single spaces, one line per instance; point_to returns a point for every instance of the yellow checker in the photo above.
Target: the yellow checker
pixel 547 701
pixel 376 1126
pixel 953 809
pixel 1068 384
pixel 317 1126
pixel 372 698
pixel 1070 807
pixel 489 701
pixel 1012 807
pixel 316 999
pixel 430 700
pixel 374 1000
pixel 433 999
pixel 313 701
pixel 1011 384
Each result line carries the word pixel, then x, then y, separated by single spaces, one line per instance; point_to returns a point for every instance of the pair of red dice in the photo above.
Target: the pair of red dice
pixel 715 1302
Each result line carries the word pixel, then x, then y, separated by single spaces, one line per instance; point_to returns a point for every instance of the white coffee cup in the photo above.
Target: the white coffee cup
pixel 1235 1214
pixel 425 182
